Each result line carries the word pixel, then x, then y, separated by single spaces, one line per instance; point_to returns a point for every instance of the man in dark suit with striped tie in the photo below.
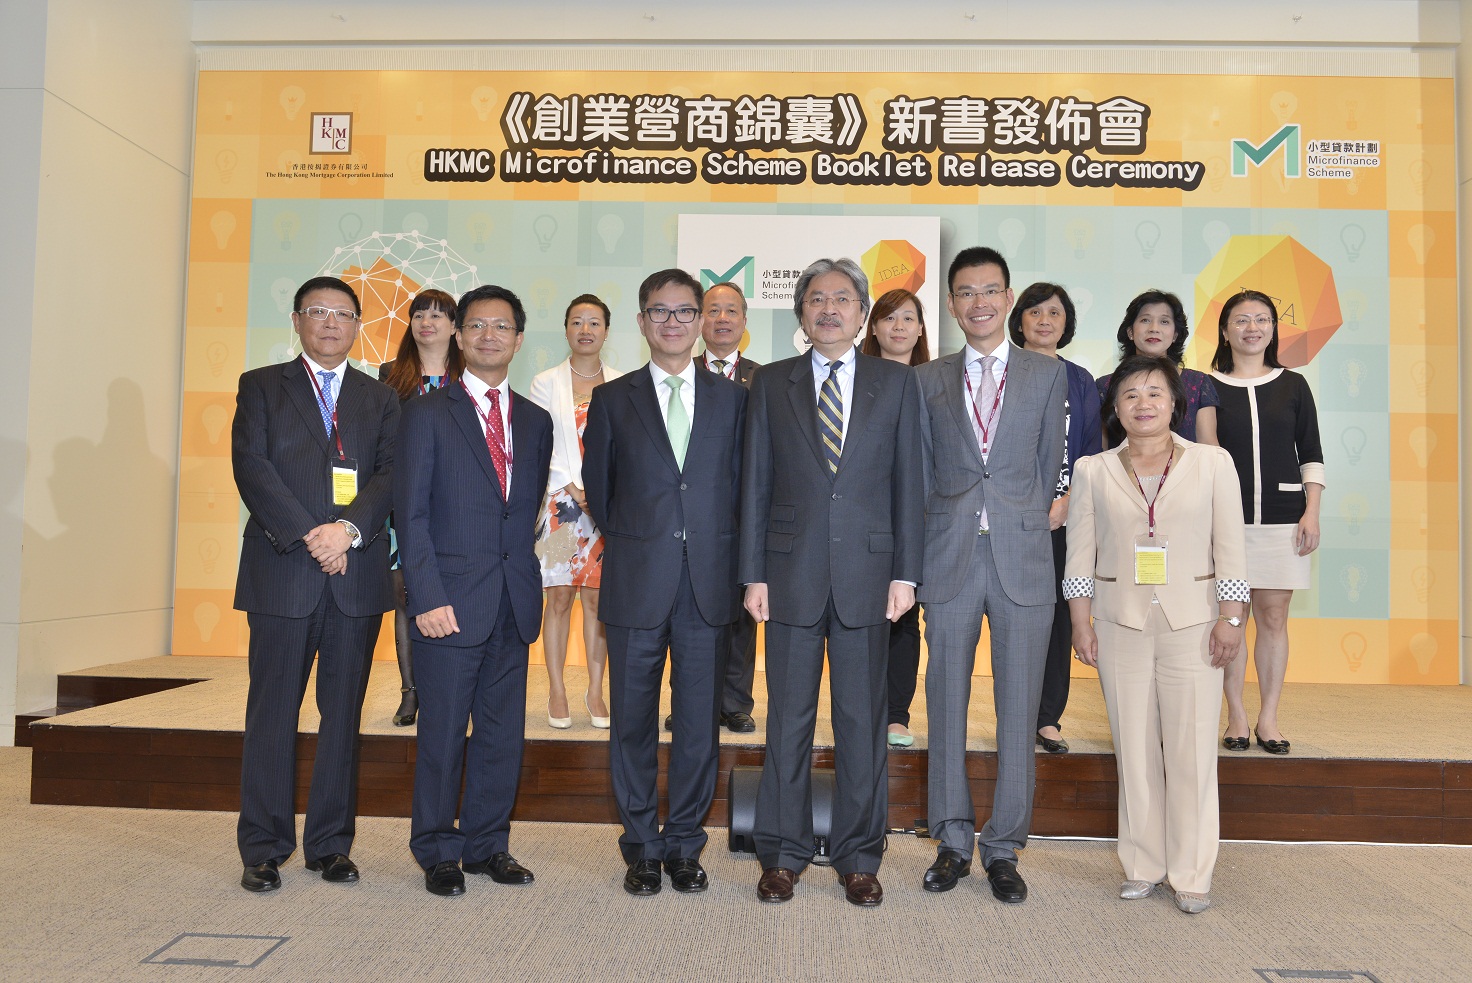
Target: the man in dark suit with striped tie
pixel 312 447
pixel 473 466
pixel 832 535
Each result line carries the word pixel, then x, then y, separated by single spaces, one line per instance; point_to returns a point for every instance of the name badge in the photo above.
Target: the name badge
pixel 344 481
pixel 1151 566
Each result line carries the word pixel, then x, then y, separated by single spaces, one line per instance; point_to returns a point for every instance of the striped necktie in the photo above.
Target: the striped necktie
pixel 327 403
pixel 830 418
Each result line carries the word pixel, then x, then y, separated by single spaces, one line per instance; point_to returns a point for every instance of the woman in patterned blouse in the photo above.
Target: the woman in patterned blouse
pixel 1155 324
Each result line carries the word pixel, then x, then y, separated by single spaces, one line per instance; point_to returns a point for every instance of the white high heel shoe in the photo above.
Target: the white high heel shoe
pixel 558 723
pixel 602 723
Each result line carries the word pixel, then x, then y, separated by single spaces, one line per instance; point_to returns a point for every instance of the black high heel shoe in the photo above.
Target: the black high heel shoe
pixel 408 707
pixel 1059 746
pixel 1271 747
pixel 1235 743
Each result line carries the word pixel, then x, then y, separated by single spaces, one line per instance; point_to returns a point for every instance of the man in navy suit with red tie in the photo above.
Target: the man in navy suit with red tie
pixel 474 464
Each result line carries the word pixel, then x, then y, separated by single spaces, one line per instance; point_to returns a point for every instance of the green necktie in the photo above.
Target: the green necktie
pixel 677 421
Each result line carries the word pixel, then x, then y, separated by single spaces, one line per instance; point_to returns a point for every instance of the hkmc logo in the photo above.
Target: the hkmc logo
pixel 332 133
pixel 744 268
pixel 1287 137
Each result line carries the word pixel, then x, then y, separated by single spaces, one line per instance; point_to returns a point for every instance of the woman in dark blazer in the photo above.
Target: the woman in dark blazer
pixel 1043 321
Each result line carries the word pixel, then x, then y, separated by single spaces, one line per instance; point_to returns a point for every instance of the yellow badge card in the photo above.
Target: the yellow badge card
pixel 1150 561
pixel 344 483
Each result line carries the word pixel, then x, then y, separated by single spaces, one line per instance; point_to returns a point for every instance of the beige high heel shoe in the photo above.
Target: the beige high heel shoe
pixel 602 723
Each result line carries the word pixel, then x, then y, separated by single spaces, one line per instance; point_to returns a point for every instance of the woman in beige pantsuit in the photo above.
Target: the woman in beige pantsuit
pixel 1166 600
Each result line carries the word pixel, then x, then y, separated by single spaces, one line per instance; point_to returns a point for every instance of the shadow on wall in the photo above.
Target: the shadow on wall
pixel 115 501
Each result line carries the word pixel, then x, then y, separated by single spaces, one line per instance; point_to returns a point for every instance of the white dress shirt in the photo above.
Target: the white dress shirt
pixel 845 379
pixel 729 371
pixel 662 392
pixel 478 390
pixel 337 375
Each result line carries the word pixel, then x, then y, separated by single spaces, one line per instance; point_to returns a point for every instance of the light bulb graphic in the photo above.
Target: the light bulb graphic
pixel 1353 578
pixel 543 292
pixel 1012 232
pixel 222 224
pixel 1215 116
pixel 610 230
pixel 349 225
pixel 1083 301
pixel 1422 580
pixel 1420 171
pixel 1351 113
pixel 1421 375
pixel 1079 234
pixel 1353 239
pixel 215 419
pixel 219 302
pixel 1216 235
pixel 292 98
pixel 1352 186
pixel 206 619
pixel 544 227
pixel 483 100
pixel 1147 234
pixel 1354 507
pixel 1353 645
pixel 419 110
pixel 1423 649
pixel 1283 104
pixel 1423 444
pixel 1353 440
pixel 1353 372
pixel 543 359
pixel 216 354
pixel 1355 303
pixel 479 226
pixel 229 109
pixel 1216 172
pixel 287 225
pixel 209 552
pixel 415 223
pixel 225 162
pixel 1421 239
pixel 282 290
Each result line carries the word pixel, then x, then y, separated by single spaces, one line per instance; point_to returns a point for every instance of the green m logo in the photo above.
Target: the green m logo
pixel 744 268
pixel 1287 137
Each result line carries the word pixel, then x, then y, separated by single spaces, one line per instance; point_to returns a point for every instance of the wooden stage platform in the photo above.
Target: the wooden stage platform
pixel 1370 763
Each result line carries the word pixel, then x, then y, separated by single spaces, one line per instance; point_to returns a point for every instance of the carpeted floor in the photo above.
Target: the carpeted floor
pixel 112 894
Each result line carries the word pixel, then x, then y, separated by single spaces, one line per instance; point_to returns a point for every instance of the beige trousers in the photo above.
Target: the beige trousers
pixel 1164 702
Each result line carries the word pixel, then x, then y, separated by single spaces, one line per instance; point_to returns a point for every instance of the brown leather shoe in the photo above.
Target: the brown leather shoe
pixel 863 890
pixel 776 885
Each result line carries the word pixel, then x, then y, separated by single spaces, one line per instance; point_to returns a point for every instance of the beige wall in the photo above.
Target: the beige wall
pixel 101 107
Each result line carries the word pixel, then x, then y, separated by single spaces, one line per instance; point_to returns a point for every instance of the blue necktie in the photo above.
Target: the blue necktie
pixel 326 403
pixel 830 418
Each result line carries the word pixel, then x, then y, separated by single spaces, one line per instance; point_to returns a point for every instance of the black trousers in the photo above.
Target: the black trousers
pixel 281 654
pixel 904 665
pixel 740 666
pixel 1060 644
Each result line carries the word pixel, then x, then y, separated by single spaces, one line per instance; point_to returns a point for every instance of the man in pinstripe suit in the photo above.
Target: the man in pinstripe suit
pixel 312 449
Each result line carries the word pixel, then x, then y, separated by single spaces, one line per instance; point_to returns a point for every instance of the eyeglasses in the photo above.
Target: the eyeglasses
pixel 1262 321
pixel 323 313
pixel 660 315
pixel 967 296
pixel 818 302
pixel 500 327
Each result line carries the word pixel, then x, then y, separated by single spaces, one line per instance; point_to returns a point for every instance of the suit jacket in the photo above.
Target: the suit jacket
pixel 651 512
pixel 282 460
pixel 1199 511
pixel 809 534
pixel 1015 484
pixel 552 390
pixel 460 541
pixel 745 369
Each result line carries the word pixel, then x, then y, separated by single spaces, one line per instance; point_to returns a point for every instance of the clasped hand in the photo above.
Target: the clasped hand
pixel 329 544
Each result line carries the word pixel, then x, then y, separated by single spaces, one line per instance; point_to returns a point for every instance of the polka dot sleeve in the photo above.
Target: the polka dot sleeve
pixel 1077 587
pixel 1226 590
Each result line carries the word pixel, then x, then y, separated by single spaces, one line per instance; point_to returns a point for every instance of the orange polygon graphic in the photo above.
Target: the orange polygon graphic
pixel 385 293
pixel 1300 283
pixel 893 264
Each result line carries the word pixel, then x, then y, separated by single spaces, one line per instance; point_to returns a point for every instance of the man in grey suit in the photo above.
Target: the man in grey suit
pixel 831 530
pixel 994 428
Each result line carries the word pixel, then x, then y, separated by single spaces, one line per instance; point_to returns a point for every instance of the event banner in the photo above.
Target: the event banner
pixel 1333 195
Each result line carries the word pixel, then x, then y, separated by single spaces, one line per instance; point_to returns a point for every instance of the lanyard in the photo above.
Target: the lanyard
pixel 1150 502
pixel 991 416
pixel 323 400
pixel 485 418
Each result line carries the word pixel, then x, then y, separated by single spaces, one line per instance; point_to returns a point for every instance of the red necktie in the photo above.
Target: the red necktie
pixel 496 437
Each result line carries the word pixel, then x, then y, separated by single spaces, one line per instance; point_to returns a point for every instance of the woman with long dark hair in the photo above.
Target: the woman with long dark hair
pixel 1155 324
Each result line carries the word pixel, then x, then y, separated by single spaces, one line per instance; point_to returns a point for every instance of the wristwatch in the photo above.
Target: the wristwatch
pixel 1234 621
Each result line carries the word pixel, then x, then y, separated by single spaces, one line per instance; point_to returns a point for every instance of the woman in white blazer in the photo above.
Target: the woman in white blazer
pixel 568 543
pixel 1156 559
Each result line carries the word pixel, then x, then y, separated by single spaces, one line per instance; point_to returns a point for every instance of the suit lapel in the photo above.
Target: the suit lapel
pixel 960 405
pixel 646 404
pixel 299 389
pixel 867 387
pixel 523 439
pixel 804 400
pixel 705 384
pixel 1017 393
pixel 463 411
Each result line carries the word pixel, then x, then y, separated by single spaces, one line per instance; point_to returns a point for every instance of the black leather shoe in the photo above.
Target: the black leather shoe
pixel 1007 884
pixel 1271 747
pixel 1234 743
pixel 686 875
pixel 643 879
pixel 501 868
pixel 445 879
pixel 261 877
pixel 738 722
pixel 948 868
pixel 335 867
pixel 1059 746
pixel 408 707
pixel 669 722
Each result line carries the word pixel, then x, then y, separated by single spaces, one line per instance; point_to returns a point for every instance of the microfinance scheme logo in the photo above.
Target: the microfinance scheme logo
pixel 742 273
pixel 1287 137
pixel 893 264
